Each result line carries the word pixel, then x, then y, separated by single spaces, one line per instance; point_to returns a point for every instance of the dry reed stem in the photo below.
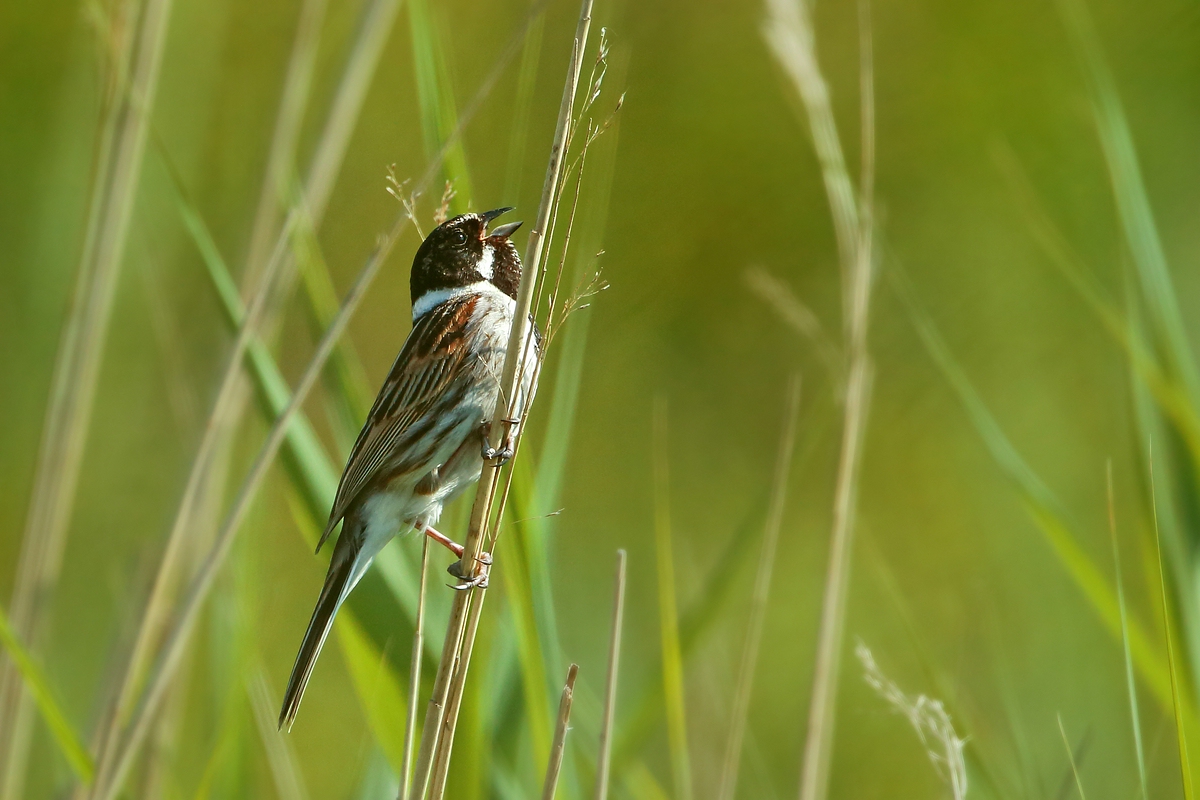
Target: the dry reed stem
pixel 762 592
pixel 604 758
pixel 77 369
pixel 414 678
pixel 560 735
pixel 450 677
pixel 186 618
pixel 790 32
pixel 281 156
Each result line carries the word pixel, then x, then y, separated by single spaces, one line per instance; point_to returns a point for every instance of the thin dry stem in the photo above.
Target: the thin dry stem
pixel 282 154
pixel 450 679
pixel 604 758
pixel 414 678
pixel 560 735
pixel 790 33
pixel 762 592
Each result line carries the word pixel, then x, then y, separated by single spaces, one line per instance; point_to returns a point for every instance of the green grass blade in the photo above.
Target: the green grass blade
pixel 379 691
pixel 1046 511
pixel 1071 759
pixel 61 730
pixel 1132 200
pixel 672 654
pixel 1130 684
pixel 435 98
pixel 1185 765
pixel 526 82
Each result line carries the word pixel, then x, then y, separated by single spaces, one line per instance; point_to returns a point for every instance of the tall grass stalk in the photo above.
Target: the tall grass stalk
pixel 604 758
pixel 674 699
pixel 1071 759
pixel 130 94
pixel 281 157
pixel 790 33
pixel 185 619
pixel 281 758
pixel 1130 683
pixel 554 767
pixel 1185 765
pixel 448 684
pixel 762 592
pixel 414 680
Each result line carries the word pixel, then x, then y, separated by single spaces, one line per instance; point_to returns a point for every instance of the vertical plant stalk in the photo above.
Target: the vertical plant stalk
pixel 560 735
pixel 1130 686
pixel 790 33
pixel 186 618
pixel 674 701
pixel 281 156
pixel 1185 764
pixel 762 593
pixel 414 680
pixel 77 369
pixel 604 759
pixel 448 685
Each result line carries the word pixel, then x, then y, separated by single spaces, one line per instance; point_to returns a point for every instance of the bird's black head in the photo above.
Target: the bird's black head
pixel 461 251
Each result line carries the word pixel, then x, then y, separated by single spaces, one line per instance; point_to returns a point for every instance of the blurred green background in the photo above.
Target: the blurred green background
pixel 707 172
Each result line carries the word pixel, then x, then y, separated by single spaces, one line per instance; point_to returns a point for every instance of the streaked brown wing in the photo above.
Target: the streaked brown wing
pixel 433 355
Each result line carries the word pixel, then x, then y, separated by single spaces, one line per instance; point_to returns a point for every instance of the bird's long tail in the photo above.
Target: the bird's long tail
pixel 338 582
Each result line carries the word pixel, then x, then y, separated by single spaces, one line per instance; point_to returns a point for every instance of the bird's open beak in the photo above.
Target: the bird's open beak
pixel 488 216
pixel 505 231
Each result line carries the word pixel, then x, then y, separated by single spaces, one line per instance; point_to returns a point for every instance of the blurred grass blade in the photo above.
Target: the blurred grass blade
pixel 668 617
pixel 282 759
pixel 35 682
pixel 435 98
pixel 379 692
pixel 281 156
pixel 791 37
pixel 1071 758
pixel 120 147
pixel 1185 765
pixel 530 655
pixel 374 31
pixel 1043 508
pixel 1133 203
pixel 1130 684
pixel 604 759
pixel 744 687
pixel 526 82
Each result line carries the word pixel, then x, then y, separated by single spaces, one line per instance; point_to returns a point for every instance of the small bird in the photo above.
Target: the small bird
pixel 425 439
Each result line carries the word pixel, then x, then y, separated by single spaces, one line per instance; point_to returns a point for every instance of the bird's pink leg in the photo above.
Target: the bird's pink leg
pixel 456 569
pixel 442 539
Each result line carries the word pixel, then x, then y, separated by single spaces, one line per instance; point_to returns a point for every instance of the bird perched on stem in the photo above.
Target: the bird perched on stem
pixel 425 439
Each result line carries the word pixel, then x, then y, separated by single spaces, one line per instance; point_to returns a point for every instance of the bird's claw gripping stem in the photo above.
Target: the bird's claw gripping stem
pixel 500 456
pixel 468 581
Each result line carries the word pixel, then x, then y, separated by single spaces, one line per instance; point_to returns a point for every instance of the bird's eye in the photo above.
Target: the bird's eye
pixel 458 237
